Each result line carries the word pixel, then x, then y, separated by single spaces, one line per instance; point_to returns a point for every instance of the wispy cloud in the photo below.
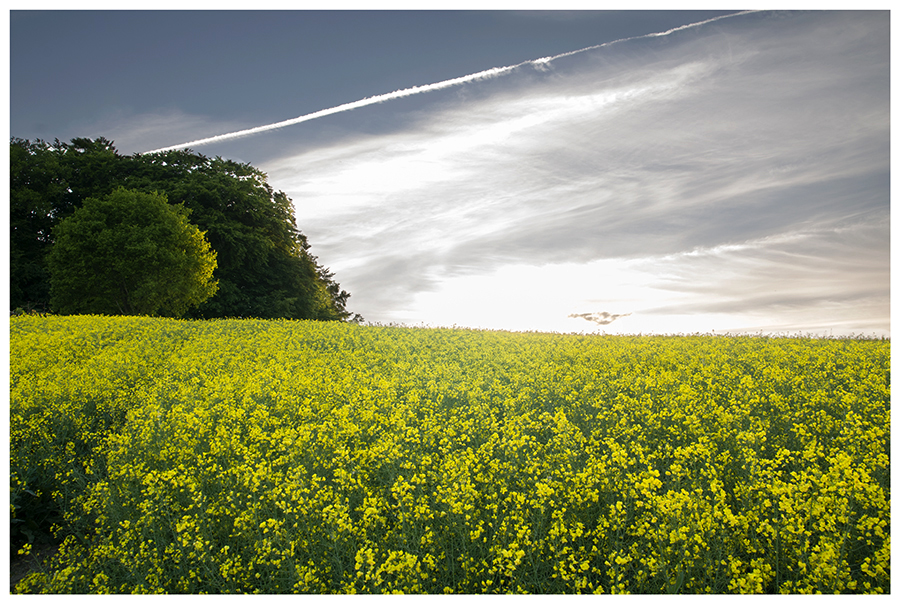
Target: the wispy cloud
pixel 486 74
pixel 705 171
pixel 135 133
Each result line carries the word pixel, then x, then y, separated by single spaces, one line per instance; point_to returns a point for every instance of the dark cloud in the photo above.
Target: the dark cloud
pixel 600 318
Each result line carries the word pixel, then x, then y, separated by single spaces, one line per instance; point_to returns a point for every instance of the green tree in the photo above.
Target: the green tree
pixel 47 182
pixel 265 268
pixel 129 253
pixel 37 188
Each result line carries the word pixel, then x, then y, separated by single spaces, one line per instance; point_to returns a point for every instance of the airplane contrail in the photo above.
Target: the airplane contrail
pixel 372 100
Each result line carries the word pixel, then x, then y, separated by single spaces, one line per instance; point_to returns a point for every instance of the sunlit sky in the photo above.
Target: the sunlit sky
pixel 728 176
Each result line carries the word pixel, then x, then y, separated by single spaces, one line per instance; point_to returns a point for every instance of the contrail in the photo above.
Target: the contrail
pixel 372 100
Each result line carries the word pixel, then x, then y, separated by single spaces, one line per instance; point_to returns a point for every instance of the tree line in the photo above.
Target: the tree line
pixel 171 234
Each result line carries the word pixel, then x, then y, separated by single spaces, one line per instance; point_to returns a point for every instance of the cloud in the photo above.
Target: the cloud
pixel 600 318
pixel 136 133
pixel 845 265
pixel 716 164
pixel 487 74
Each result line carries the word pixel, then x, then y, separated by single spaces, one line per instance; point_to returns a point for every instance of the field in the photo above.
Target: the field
pixel 241 456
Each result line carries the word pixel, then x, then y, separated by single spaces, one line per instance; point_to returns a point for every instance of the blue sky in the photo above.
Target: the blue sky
pixel 730 176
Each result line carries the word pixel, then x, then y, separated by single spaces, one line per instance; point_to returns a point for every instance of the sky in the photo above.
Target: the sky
pixel 599 172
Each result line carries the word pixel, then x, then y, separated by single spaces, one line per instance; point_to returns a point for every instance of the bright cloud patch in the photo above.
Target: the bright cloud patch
pixel 733 176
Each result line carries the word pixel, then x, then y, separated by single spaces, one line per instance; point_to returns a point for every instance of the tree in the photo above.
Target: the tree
pixel 265 268
pixel 37 188
pixel 47 182
pixel 129 253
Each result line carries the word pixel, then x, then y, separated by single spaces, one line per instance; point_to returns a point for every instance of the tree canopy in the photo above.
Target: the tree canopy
pixel 265 268
pixel 129 253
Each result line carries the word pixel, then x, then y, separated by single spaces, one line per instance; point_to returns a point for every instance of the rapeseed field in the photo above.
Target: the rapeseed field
pixel 245 456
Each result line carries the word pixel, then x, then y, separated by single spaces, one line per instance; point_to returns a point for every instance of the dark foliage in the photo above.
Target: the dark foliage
pixel 265 269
